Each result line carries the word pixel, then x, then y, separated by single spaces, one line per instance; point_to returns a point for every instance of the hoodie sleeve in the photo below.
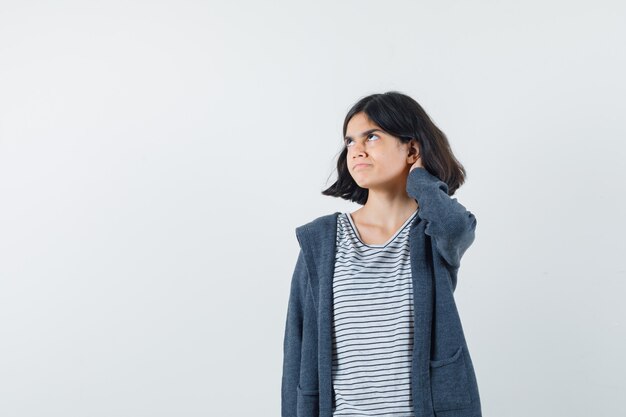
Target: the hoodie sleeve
pixel 292 343
pixel 449 223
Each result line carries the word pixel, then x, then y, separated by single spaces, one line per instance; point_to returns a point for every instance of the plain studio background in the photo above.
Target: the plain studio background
pixel 156 157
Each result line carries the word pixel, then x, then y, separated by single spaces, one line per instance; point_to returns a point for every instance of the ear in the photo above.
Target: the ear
pixel 414 150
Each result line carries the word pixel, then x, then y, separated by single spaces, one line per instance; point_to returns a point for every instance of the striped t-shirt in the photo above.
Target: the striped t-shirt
pixel 372 325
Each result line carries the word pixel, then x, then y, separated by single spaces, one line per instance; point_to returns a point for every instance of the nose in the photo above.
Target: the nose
pixel 357 149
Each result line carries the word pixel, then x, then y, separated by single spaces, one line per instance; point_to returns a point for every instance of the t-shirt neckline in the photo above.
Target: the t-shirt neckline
pixel 391 239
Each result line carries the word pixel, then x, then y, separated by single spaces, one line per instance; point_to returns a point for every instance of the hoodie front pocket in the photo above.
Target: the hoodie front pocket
pixel 449 382
pixel 308 402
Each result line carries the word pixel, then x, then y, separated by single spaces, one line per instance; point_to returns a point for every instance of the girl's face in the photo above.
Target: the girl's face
pixel 375 158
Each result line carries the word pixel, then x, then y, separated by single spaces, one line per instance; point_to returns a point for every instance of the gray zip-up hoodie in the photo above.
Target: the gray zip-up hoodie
pixel 443 381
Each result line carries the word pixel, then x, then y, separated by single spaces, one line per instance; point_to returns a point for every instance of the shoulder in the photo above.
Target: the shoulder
pixel 320 227
pixel 320 222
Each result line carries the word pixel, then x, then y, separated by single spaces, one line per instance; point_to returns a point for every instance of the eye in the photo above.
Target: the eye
pixel 347 141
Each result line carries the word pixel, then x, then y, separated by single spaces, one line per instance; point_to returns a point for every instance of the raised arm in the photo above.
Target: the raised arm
pixel 448 222
pixel 292 344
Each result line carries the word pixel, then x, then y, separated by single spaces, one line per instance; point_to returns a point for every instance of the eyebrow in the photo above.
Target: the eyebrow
pixel 367 132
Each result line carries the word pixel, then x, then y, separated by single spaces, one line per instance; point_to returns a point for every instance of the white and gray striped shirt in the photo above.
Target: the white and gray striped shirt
pixel 372 325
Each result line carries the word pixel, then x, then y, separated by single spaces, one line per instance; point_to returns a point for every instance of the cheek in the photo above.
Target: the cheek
pixel 390 157
pixel 392 162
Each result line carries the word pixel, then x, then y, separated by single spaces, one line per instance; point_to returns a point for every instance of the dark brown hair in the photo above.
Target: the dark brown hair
pixel 402 117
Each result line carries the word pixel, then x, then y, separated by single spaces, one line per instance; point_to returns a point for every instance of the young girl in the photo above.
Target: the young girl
pixel 372 327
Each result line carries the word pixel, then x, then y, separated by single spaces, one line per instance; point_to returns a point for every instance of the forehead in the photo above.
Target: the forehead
pixel 360 125
pixel 359 121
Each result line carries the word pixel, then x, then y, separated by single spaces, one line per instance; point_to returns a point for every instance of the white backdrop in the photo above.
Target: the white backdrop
pixel 156 157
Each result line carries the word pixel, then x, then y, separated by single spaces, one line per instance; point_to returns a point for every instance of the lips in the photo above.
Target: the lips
pixel 361 166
